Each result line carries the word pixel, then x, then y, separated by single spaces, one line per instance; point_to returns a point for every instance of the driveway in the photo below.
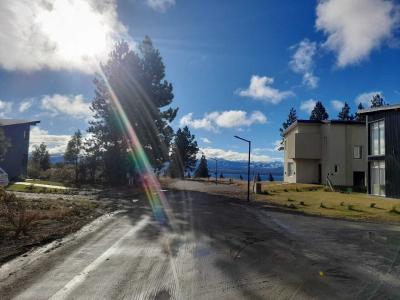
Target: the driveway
pixel 212 247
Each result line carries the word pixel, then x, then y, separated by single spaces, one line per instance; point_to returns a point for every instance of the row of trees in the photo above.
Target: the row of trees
pixel 319 113
pixel 131 121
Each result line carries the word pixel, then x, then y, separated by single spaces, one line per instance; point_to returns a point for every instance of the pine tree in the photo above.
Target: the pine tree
pixel 271 178
pixel 240 177
pixel 202 169
pixel 221 176
pixel 358 117
pixel 132 90
pixel 292 117
pixel 184 151
pixel 41 157
pixel 258 179
pixel 344 114
pixel 73 152
pixel 377 101
pixel 4 144
pixel 319 112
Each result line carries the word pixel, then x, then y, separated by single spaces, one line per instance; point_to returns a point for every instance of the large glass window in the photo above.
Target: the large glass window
pixel 377 138
pixel 377 171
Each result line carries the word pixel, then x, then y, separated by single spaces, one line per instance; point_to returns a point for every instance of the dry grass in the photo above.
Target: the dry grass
pixel 313 199
pixel 25 223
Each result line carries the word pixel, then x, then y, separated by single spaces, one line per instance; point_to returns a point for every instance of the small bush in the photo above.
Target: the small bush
pixel 13 209
pixel 327 189
pixel 322 205
pixel 285 190
pixel 394 210
pixel 341 203
pixel 372 205
pixel 291 206
pixel 290 200
pixel 302 203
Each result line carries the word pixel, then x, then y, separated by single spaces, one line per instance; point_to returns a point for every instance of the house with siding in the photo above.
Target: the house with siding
pixel 15 162
pixel 383 140
pixel 318 151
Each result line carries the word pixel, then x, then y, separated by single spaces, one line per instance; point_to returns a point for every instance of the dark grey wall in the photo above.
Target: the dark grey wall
pixel 392 149
pixel 16 160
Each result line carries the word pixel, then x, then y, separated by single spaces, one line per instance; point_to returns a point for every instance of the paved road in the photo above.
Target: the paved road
pixel 216 248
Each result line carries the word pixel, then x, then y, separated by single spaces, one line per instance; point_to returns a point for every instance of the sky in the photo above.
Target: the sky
pixel 237 67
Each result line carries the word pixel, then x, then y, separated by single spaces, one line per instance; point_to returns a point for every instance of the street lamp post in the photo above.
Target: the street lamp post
pixel 248 167
pixel 216 170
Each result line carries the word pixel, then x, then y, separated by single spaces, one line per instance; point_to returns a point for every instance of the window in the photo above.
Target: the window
pixel 357 152
pixel 377 138
pixel 378 181
pixel 290 167
pixel 336 168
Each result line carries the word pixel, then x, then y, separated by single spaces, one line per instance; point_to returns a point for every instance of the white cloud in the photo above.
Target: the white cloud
pixel 160 5
pixel 73 106
pixel 365 98
pixel 337 104
pixel 236 156
pixel 260 89
pixel 25 105
pixel 205 140
pixel 308 105
pixel 56 144
pixel 5 108
pixel 226 119
pixel 58 34
pixel 354 28
pixel 303 62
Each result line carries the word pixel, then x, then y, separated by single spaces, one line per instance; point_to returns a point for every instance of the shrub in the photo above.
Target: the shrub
pixel 13 209
pixel 302 203
pixel 322 205
pixel 372 205
pixel 394 210
pixel 290 200
pixel 341 203
pixel 292 206
pixel 286 190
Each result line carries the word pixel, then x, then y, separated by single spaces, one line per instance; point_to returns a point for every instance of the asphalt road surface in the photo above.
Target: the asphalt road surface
pixel 213 248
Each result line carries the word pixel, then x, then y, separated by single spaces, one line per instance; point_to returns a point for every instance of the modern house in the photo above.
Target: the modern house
pixel 315 151
pixel 383 136
pixel 15 162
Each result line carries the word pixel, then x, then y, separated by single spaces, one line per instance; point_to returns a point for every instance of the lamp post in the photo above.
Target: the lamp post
pixel 248 167
pixel 216 170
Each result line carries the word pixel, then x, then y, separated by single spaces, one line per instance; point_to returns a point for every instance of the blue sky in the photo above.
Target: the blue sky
pixel 236 66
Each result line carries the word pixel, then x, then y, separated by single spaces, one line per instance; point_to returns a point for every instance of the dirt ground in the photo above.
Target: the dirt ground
pixel 57 216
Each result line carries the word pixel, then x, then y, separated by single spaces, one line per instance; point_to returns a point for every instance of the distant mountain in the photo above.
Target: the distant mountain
pixel 57 158
pixel 240 167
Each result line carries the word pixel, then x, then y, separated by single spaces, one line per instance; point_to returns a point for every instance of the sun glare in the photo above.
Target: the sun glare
pixel 76 30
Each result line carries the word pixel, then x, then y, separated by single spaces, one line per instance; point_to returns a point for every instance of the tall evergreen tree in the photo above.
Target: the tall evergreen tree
pixel 4 144
pixel 132 89
pixel 292 117
pixel 270 178
pixel 202 169
pixel 344 114
pixel 358 117
pixel 377 101
pixel 184 151
pixel 41 157
pixel 73 152
pixel 319 112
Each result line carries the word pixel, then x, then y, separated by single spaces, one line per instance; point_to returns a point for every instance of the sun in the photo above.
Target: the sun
pixel 77 32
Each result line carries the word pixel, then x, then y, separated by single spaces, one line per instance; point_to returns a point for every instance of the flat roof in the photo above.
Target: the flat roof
pixel 379 108
pixel 9 122
pixel 338 122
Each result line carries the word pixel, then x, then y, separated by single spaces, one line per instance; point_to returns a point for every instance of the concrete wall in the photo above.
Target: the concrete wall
pixel 329 144
pixel 16 160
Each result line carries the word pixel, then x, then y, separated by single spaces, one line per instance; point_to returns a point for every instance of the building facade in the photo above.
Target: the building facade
pixel 317 150
pixel 383 140
pixel 15 162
